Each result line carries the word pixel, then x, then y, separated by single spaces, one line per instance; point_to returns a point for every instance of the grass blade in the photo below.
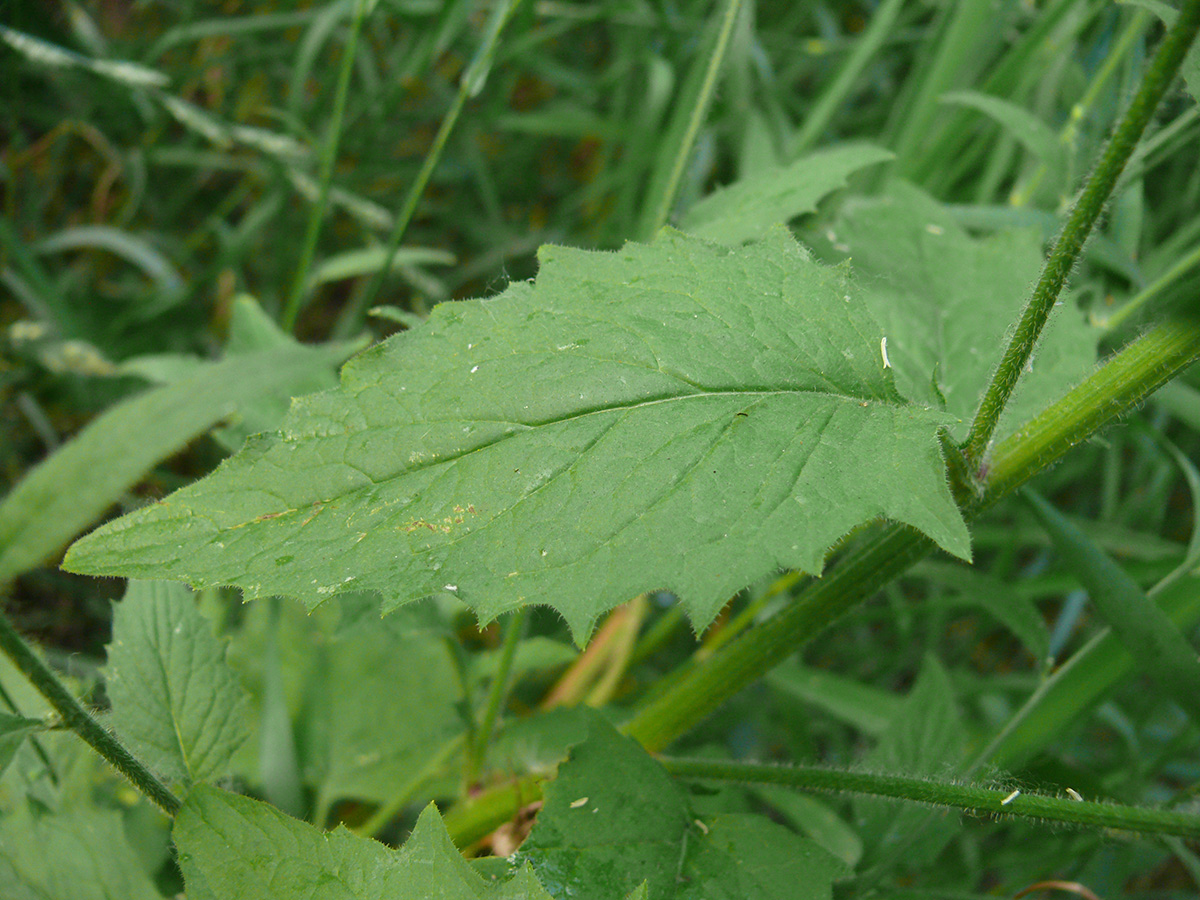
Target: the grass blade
pixel 1149 635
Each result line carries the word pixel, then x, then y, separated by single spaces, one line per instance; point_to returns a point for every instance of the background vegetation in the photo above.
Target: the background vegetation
pixel 223 158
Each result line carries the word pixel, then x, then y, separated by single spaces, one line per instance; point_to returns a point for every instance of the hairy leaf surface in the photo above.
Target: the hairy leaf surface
pixel 677 415
pixel 943 298
pixel 748 207
pixel 231 846
pixel 175 700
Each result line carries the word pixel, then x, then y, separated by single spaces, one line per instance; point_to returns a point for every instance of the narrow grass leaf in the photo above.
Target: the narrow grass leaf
pixel 748 207
pixel 1035 135
pixel 1079 684
pixel 175 701
pixel 859 705
pixel 65 493
pixel 354 263
pixel 1015 612
pixel 1190 563
pixel 1152 639
pixel 231 846
pixel 133 249
pixel 730 406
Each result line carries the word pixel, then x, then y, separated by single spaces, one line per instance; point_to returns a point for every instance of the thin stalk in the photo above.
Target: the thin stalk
pixel 51 772
pixel 1080 111
pixel 583 673
pixel 82 722
pixel 746 617
pixel 658 634
pixel 384 814
pixel 1161 72
pixel 514 628
pixel 970 798
pixel 471 83
pixel 866 45
pixel 660 206
pixel 328 156
pixel 1148 293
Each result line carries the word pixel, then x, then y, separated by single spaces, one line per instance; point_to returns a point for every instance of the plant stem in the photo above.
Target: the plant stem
pixel 971 798
pixel 328 156
pixel 1069 135
pixel 380 819
pixel 82 722
pixel 1159 75
pixel 478 817
pixel 588 667
pixel 659 207
pixel 621 651
pixel 513 629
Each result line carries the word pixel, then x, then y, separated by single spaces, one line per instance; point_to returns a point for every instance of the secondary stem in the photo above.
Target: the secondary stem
pixel 82 722
pixel 989 801
pixel 1162 71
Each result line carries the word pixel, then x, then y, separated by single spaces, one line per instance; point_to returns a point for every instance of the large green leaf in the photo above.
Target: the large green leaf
pixel 944 298
pixel 613 819
pixel 175 701
pixel 70 489
pixel 679 415
pixel 231 846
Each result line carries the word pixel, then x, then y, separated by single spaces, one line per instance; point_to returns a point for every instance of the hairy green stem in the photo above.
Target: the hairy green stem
pixel 760 649
pixel 971 798
pixel 328 156
pixel 1161 72
pixel 82 722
